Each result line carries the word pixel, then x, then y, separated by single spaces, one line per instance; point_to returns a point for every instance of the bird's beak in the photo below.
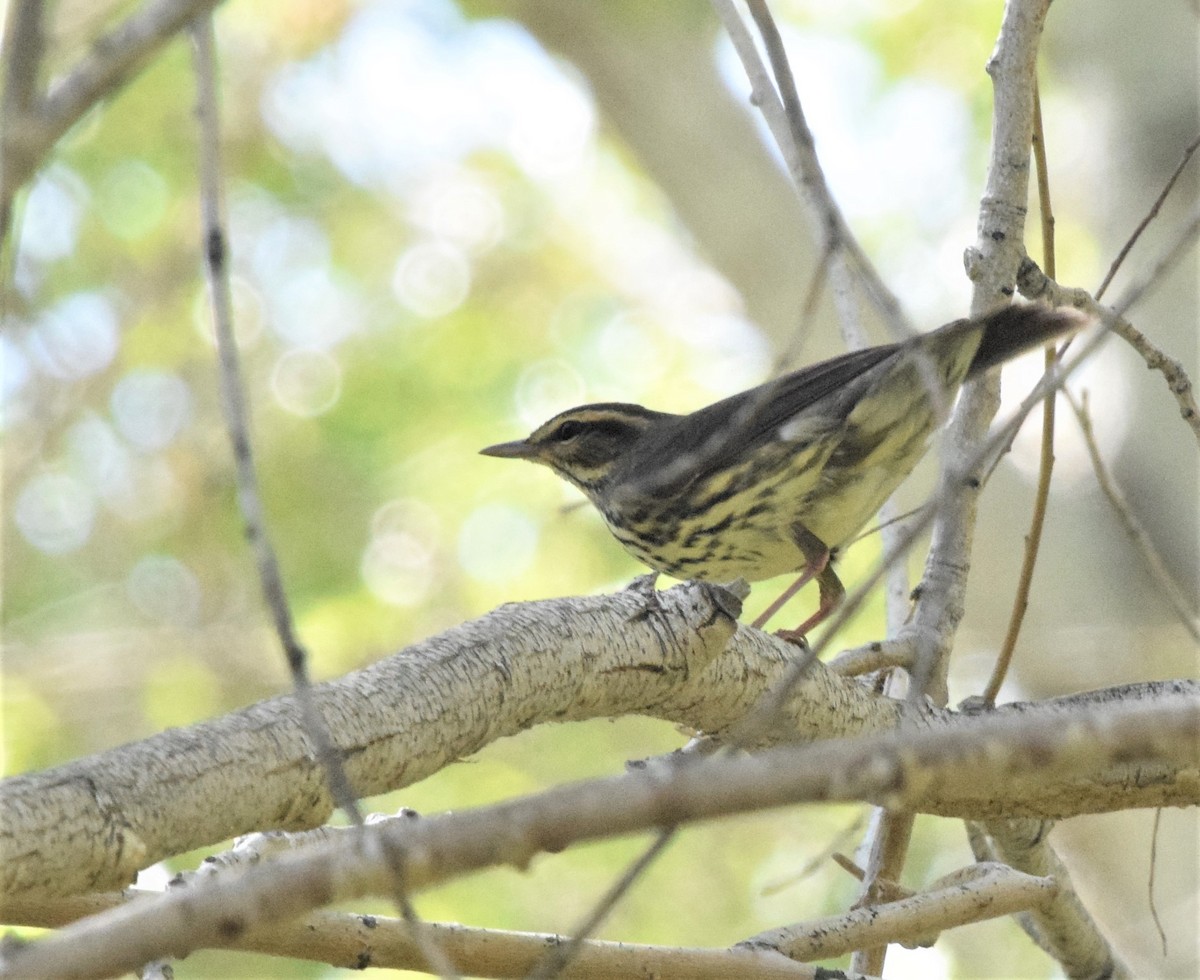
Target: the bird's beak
pixel 521 449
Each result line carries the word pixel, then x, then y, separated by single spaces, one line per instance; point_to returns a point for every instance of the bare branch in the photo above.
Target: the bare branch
pixel 1139 741
pixel 1157 568
pixel 1062 927
pixel 357 942
pixel 973 894
pixel 794 139
pixel 1145 222
pixel 1035 284
pixel 111 61
pixel 992 265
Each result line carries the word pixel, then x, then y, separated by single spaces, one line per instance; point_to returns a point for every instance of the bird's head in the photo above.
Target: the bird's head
pixel 584 445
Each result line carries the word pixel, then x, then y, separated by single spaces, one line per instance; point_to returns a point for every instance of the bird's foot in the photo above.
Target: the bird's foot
pixel 794 637
pixel 643 587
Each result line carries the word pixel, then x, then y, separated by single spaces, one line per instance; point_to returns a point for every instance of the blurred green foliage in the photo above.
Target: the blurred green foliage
pixel 400 304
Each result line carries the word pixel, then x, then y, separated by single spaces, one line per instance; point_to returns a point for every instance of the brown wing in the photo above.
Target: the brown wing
pixel 724 434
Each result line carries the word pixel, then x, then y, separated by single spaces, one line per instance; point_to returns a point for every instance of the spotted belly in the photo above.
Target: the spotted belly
pixel 743 523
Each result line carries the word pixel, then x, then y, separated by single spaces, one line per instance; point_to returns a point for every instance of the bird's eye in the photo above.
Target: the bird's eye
pixel 568 431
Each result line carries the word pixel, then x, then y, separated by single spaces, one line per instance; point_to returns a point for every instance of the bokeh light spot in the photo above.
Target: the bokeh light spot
pixel 55 512
pixel 98 455
pixel 432 279
pixel 306 382
pixel 132 199
pixel 314 307
pixel 165 590
pixel 546 388
pixel 496 543
pixel 399 564
pixel 50 220
pixel 151 408
pixel 459 208
pixel 75 338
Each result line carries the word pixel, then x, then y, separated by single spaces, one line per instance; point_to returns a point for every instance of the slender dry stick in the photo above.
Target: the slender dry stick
pixel 1144 223
pixel 1162 935
pixel 1041 500
pixel 794 139
pixel 233 401
pixel 21 55
pixel 1159 572
pixel 1166 262
pixel 838 238
pixel 558 957
pixel 110 61
pixel 1035 284
pixel 891 834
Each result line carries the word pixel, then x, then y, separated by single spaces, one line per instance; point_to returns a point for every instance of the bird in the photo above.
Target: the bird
pixel 778 478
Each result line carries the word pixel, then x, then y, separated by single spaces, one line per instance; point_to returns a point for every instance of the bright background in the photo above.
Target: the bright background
pixel 442 233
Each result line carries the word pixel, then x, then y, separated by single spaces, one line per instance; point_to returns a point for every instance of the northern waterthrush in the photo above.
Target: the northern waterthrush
pixel 776 478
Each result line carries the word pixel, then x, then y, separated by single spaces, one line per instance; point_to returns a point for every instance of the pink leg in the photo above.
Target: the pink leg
pixel 811 570
pixel 817 557
pixel 832 593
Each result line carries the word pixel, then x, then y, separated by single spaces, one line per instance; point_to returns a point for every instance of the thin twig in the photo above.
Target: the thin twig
pixel 1035 284
pixel 1183 241
pixel 1164 581
pixel 839 238
pixel 831 852
pixel 233 402
pixel 21 56
pixel 110 62
pixel 1144 223
pixel 1162 935
pixel 795 142
pixel 560 955
pixel 889 836
pixel 1041 497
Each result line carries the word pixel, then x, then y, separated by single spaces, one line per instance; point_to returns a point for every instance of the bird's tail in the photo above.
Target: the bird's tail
pixel 1015 329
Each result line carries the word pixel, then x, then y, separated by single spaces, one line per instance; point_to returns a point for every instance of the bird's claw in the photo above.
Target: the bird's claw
pixel 794 637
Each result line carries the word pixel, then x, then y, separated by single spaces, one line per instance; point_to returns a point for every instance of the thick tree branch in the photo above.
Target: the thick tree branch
pixel 93 823
pixel 967 768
